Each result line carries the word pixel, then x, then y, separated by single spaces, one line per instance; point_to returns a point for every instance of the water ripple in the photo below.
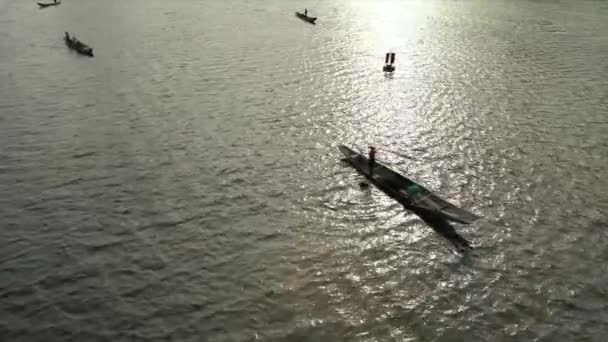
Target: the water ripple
pixel 185 182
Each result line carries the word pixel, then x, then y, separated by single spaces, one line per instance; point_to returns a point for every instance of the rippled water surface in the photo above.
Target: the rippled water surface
pixel 184 184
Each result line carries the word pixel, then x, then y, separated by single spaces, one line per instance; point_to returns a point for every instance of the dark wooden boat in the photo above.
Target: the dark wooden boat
pixel 48 4
pixel 389 62
pixel 388 68
pixel 306 18
pixel 77 45
pixel 410 194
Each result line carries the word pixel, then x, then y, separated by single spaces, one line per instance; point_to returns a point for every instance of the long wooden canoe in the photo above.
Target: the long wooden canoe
pixel 404 190
pixel 306 18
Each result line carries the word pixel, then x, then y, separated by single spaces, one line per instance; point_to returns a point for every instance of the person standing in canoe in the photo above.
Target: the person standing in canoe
pixel 371 158
pixel 306 12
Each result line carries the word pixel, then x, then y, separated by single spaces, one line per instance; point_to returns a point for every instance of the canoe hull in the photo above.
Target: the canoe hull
pixel 306 18
pixel 431 217
pixel 45 5
pixel 397 186
pixel 388 68
pixel 81 48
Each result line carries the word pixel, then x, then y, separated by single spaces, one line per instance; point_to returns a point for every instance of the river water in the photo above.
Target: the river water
pixel 185 183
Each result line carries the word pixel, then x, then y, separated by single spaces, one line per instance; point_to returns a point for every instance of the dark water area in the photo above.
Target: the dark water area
pixel 185 183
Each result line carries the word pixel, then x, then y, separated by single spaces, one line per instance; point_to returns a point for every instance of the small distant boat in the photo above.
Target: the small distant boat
pixel 389 60
pixel 388 68
pixel 77 45
pixel 306 18
pixel 48 4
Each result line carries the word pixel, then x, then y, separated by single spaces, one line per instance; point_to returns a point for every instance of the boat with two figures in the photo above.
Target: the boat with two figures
pixel 77 45
pixel 304 16
pixel 389 61
pixel 48 4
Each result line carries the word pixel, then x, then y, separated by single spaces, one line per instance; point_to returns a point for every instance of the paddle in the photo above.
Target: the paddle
pixel 403 155
pixel 400 154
